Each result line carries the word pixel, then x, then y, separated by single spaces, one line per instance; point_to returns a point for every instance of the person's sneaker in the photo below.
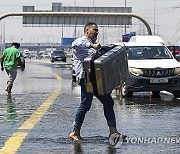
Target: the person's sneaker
pixel 75 135
pixel 116 139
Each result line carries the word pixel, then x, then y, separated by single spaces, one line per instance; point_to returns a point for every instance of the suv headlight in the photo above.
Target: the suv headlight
pixel 177 71
pixel 135 71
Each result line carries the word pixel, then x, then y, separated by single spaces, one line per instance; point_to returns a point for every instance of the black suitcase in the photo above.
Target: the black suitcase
pixel 106 69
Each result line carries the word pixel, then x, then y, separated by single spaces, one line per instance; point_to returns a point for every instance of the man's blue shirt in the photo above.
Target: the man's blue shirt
pixel 80 52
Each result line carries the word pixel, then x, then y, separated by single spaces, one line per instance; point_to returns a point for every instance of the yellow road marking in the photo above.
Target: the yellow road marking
pixel 15 141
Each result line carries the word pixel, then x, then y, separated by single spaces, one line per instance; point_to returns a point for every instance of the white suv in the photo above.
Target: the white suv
pixel 152 67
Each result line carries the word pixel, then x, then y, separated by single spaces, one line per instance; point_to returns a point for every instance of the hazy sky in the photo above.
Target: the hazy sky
pixel 165 12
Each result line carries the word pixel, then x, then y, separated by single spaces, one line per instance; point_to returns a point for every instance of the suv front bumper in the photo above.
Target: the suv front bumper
pixel 143 84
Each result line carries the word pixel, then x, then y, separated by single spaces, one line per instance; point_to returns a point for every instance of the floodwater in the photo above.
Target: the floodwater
pixel 152 125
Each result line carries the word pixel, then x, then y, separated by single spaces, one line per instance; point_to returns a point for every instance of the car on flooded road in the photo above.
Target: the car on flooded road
pixel 45 55
pixel 152 67
pixel 58 55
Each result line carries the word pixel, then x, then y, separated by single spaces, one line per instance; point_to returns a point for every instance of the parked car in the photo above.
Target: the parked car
pixel 175 51
pixel 39 55
pixel 45 55
pixel 152 67
pixel 27 55
pixel 58 55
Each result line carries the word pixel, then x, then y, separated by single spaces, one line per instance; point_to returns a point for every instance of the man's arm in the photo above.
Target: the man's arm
pixel 79 44
pixel 95 46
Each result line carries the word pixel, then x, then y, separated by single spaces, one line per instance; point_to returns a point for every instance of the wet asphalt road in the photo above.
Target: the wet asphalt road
pixel 151 124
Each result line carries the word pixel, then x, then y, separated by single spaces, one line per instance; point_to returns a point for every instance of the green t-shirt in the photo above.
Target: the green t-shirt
pixel 10 57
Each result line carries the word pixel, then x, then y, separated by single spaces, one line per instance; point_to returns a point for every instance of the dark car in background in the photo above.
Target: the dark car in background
pixel 22 61
pixel 58 55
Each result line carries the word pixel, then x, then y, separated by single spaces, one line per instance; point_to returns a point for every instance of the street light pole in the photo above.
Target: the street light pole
pixel 125 25
pixel 3 31
pixel 154 17
pixel 75 2
pixel 93 3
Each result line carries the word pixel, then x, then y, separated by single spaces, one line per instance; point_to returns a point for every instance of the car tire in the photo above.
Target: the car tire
pixel 125 92
pixel 73 78
pixel 156 93
pixel 64 60
pixel 176 93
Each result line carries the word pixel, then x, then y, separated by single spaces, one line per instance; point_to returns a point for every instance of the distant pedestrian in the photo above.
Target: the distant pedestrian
pixel 82 47
pixel 9 61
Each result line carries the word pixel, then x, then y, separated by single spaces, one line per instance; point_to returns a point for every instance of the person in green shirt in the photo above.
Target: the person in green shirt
pixel 9 61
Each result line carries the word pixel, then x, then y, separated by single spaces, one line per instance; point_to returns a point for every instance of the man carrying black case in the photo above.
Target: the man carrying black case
pixel 82 48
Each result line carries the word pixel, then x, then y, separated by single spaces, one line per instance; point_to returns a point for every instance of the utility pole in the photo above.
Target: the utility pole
pixel 62 34
pixel 2 36
pixel 75 27
pixel 125 25
pixel 75 2
pixel 75 31
pixel 1 39
pixel 154 17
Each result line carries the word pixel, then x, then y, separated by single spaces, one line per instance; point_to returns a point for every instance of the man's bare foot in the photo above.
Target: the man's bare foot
pixel 9 92
pixel 75 135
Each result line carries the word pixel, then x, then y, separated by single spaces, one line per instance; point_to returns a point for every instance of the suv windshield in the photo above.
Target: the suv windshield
pixel 57 52
pixel 148 52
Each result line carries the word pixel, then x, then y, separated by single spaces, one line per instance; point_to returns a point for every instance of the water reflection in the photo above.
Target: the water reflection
pixel 111 150
pixel 158 101
pixel 10 116
pixel 77 148
pixel 147 116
